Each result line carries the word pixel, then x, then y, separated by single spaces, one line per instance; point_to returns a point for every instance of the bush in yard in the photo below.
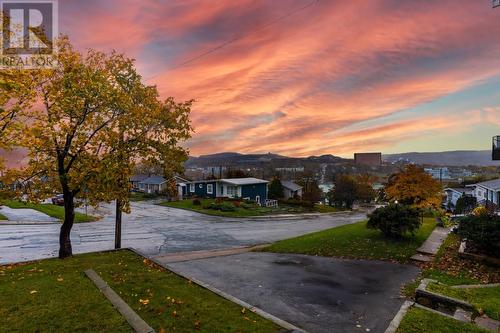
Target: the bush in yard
pixel 395 220
pixel 296 202
pixel 481 233
pixel 465 204
pixel 196 202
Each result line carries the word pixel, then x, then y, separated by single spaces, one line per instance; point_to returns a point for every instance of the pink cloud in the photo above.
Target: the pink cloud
pixel 288 87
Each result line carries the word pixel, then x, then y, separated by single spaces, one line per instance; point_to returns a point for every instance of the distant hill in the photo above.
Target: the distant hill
pixel 235 159
pixel 447 158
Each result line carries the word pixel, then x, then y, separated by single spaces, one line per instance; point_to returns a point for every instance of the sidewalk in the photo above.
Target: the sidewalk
pixel 431 246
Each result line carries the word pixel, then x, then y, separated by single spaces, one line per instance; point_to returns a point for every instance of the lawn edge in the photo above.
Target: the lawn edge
pixel 263 217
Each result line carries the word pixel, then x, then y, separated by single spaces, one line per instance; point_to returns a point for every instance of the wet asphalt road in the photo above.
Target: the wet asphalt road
pixel 155 229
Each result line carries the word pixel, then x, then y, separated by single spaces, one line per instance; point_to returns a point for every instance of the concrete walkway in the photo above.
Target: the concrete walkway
pixel 431 246
pixel 318 294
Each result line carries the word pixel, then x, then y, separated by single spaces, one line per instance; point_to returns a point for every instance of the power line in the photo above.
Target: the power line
pixel 235 39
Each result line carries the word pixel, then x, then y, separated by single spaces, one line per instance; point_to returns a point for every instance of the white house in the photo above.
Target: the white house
pixel 291 190
pixel 453 194
pixel 487 191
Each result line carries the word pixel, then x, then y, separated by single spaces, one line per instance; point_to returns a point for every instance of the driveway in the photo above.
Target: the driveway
pixel 155 229
pixel 318 294
pixel 25 214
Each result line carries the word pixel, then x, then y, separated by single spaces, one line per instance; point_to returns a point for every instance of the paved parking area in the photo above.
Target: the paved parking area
pixel 318 294
pixel 156 229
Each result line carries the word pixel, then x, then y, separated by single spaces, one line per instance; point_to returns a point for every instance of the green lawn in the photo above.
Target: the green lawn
pixel 140 196
pixel 419 320
pixel 252 210
pixel 54 296
pixel 487 299
pixel 49 209
pixel 2 217
pixel 355 241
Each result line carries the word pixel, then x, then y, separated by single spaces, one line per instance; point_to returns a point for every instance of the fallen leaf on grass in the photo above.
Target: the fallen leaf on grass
pixel 174 314
pixel 197 324
pixel 33 292
pixel 144 301
pixel 60 279
pixel 243 310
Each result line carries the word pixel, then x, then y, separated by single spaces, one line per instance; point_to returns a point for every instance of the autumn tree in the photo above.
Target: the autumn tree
pixel 349 189
pixel 413 186
pixel 276 190
pixel 95 122
pixel 310 188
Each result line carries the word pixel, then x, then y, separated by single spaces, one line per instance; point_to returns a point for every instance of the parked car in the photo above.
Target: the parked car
pixel 58 200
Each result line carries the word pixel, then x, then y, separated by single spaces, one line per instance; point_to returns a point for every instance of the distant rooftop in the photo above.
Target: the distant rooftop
pixel 244 181
pixel 466 190
pixel 291 185
pixel 491 184
pixel 154 180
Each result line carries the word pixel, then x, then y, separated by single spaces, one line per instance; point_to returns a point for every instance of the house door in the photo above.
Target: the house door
pixel 257 199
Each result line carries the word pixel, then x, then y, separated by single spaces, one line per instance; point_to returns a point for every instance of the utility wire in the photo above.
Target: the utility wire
pixel 235 39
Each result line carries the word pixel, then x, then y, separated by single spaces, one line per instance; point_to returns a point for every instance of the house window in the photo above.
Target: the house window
pixel 191 188
pixel 210 189
pixel 231 191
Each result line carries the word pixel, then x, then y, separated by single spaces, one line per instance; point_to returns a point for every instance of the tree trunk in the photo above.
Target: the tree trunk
pixel 65 249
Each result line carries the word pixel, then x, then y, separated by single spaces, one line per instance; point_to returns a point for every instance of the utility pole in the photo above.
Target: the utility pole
pixel 119 204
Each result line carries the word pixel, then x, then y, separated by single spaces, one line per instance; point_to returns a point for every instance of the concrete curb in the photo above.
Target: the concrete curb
pixel 393 326
pixel 233 299
pixel 204 254
pixel 137 323
pixel 423 294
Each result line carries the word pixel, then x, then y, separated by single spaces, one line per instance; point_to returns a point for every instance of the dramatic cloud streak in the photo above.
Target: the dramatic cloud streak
pixel 332 78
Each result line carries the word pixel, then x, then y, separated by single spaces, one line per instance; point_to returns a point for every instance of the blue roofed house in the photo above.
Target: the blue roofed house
pixel 153 184
pixel 245 188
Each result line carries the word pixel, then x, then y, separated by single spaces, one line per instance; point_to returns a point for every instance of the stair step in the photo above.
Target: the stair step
pixel 462 315
pixel 487 323
pixel 421 257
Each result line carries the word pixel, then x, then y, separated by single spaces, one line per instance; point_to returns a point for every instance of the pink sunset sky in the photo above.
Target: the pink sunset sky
pixel 302 77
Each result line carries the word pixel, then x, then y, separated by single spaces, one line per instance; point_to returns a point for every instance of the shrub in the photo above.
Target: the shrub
pixel 395 220
pixel 237 203
pixel 295 202
pixel 223 207
pixel 196 202
pixel 481 233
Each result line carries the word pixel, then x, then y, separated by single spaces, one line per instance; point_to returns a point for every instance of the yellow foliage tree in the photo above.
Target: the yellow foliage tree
pixel 413 186
pixel 95 121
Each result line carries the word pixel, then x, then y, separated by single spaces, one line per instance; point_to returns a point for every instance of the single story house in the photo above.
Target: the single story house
pixel 136 179
pixel 291 190
pixel 487 191
pixel 453 194
pixel 245 188
pixel 153 184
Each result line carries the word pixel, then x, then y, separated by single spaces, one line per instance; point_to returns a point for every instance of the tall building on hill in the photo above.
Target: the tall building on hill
pixel 371 159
